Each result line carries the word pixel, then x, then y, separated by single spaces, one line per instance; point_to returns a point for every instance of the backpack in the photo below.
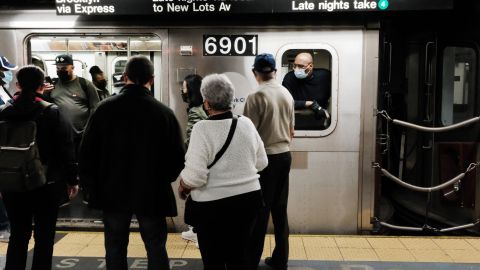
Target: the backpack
pixel 20 166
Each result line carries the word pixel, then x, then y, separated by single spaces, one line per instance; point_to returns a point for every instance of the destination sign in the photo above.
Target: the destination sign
pixel 179 7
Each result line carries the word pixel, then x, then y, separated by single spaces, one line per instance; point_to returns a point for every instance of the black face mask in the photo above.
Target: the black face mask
pixel 101 84
pixel 185 97
pixel 63 75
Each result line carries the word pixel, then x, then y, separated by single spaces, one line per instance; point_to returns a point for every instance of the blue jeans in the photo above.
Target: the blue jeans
pixel 154 235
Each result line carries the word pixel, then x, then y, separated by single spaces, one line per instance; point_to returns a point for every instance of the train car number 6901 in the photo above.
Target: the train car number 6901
pixel 230 45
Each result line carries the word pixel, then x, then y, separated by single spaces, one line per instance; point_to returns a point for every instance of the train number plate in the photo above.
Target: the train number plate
pixel 231 45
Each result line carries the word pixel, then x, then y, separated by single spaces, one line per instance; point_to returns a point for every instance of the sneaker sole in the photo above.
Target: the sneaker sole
pixel 189 239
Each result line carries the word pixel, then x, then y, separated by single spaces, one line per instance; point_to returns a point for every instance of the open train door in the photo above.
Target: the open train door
pixel 110 53
pixel 429 78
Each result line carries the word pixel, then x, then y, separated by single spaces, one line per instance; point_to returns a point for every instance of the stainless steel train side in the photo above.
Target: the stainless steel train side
pixel 332 180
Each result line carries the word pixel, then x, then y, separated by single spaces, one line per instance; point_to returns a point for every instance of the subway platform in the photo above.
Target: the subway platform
pixel 85 251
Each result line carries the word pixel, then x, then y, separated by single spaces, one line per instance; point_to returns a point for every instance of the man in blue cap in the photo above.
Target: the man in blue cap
pixel 271 109
pixel 6 68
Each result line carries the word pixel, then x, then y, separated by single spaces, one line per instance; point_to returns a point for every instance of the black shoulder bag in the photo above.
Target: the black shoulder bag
pixel 191 207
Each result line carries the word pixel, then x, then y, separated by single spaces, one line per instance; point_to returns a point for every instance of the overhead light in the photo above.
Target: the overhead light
pixel 42 24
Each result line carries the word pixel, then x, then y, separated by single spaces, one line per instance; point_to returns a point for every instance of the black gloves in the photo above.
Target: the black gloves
pixel 315 106
pixel 320 113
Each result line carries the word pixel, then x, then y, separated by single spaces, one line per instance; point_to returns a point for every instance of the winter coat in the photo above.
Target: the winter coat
pixel 131 152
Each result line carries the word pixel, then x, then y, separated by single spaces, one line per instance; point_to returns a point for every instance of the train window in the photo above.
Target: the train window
pixel 307 72
pixel 117 77
pixel 458 84
pixel 37 61
pixel 110 53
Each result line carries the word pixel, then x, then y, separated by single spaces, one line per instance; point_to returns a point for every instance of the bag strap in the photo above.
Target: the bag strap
pixel 43 106
pixel 83 84
pixel 227 142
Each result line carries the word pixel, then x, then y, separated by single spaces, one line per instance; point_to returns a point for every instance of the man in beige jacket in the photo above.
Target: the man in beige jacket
pixel 271 109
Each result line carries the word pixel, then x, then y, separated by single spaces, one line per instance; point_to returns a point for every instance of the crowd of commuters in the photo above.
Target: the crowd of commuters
pixel 235 171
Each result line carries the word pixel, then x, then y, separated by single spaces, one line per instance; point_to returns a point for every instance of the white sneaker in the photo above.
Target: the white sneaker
pixel 190 235
pixel 4 236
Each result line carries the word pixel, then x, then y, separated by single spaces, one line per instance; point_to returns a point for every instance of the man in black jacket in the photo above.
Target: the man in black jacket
pixel 131 151
pixel 311 90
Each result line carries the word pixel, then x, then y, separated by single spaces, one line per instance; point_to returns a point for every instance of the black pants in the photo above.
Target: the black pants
pixel 274 181
pixel 225 229
pixel 4 223
pixel 153 230
pixel 41 205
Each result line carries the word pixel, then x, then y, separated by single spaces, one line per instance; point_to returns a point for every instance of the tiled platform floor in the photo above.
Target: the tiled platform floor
pixel 302 247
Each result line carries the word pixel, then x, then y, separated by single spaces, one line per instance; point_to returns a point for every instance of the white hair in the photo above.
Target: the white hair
pixel 219 91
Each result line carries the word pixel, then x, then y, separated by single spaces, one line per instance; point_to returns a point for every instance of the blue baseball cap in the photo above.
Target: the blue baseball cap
pixel 4 64
pixel 264 63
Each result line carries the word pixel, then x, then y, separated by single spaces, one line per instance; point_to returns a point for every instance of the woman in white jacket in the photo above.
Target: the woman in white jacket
pixel 226 196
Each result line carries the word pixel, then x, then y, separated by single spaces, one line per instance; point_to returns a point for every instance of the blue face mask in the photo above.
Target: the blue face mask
pixel 300 73
pixel 8 77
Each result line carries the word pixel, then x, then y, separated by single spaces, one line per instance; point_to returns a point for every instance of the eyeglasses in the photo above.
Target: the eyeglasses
pixel 301 66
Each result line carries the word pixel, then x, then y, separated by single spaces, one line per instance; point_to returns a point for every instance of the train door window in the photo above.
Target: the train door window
pixel 37 61
pixel 118 66
pixel 458 84
pixel 309 72
pixel 109 53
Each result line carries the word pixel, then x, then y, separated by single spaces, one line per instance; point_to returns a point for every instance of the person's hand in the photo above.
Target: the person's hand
pixel 320 113
pixel 308 103
pixel 72 191
pixel 315 106
pixel 48 87
pixel 183 190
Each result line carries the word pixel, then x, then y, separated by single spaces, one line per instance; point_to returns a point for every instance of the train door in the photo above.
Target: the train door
pixel 457 100
pixel 430 79
pixel 109 53
pixel 325 178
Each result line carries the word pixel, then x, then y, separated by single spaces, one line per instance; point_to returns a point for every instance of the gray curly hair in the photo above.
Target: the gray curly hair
pixel 219 91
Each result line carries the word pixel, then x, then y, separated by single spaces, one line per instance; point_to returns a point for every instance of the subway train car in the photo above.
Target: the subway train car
pixel 404 75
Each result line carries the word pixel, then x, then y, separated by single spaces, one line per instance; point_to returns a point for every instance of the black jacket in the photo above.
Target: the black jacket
pixel 54 137
pixel 315 87
pixel 131 151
